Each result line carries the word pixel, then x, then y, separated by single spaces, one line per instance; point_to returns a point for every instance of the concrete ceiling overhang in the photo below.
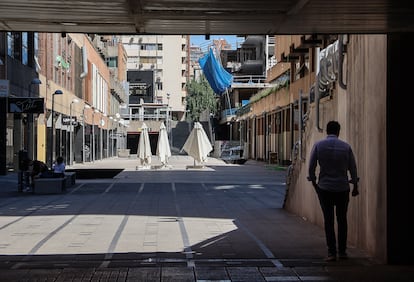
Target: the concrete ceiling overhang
pixel 204 17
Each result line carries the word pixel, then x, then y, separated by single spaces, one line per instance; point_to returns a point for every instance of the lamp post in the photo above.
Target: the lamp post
pixel 93 133
pixel 168 119
pixel 110 137
pixel 101 123
pixel 116 135
pixel 122 123
pixel 230 124
pixel 118 139
pixel 107 135
pixel 86 106
pixel 57 92
pixel 71 132
pixel 30 135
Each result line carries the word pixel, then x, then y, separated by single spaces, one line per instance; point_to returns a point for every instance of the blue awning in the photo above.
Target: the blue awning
pixel 218 78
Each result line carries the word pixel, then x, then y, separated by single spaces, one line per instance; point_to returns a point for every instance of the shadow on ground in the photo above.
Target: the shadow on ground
pixel 96 173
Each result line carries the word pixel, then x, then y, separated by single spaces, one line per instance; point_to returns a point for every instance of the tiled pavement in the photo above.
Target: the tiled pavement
pixel 219 222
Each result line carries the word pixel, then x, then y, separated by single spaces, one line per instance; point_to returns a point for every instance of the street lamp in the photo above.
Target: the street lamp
pixel 101 123
pixel 168 119
pixel 121 131
pixel 70 131
pixel 30 135
pixel 107 134
pixel 110 137
pixel 93 132
pixel 230 124
pixel 117 139
pixel 57 92
pixel 85 106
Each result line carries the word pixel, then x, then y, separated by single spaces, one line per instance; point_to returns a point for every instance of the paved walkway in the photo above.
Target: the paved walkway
pixel 217 222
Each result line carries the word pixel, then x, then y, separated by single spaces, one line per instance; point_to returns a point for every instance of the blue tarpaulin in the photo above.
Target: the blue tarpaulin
pixel 218 78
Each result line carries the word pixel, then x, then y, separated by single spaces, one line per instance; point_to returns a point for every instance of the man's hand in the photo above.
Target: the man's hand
pixel 355 191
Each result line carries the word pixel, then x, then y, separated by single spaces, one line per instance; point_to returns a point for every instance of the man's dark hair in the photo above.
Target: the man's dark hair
pixel 333 127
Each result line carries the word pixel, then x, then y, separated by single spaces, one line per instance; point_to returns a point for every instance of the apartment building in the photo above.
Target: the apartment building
pixel 166 56
pixel 78 94
pixel 157 74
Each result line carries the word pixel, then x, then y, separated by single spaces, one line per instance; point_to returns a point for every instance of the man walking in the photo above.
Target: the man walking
pixel 335 159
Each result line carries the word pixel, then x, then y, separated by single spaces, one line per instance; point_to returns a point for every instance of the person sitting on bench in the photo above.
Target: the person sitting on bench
pixel 59 167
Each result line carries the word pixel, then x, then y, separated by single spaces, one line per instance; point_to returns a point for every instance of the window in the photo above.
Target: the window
pixel 151 47
pixel 13 45
pixel 36 43
pixel 149 60
pixel 159 85
pixel 138 89
pixel 111 62
pixel 25 48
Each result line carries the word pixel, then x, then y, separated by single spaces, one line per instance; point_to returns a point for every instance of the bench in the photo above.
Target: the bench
pixel 54 185
pixel 49 185
pixel 70 178
pixel 123 153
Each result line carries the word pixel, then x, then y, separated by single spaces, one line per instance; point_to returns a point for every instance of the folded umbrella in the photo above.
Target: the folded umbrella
pixel 163 146
pixel 144 147
pixel 197 144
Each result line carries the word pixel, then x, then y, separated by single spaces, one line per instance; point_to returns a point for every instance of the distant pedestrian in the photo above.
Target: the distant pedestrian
pixel 59 167
pixel 335 158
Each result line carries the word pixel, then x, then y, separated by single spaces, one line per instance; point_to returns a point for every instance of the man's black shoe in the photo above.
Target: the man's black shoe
pixel 342 256
pixel 330 257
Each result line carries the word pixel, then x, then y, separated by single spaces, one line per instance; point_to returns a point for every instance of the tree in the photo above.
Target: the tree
pixel 200 98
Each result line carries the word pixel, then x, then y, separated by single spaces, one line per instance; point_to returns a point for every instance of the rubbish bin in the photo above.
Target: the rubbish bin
pixel 273 157
pixel 23 160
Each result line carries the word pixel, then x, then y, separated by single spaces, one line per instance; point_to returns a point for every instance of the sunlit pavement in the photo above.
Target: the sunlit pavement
pixel 183 222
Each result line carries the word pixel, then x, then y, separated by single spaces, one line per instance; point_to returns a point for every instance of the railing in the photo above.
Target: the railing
pixel 250 79
pixel 145 116
pixel 118 88
pixel 229 112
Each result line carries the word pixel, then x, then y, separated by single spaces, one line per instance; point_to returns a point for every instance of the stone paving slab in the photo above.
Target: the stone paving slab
pixel 222 222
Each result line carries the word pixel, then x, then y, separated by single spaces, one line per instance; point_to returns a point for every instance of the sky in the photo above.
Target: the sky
pixel 201 41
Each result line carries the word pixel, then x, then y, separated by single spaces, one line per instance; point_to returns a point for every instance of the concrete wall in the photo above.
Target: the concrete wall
pixel 361 110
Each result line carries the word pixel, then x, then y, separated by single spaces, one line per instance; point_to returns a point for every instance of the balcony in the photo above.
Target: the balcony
pixel 249 81
pixel 228 114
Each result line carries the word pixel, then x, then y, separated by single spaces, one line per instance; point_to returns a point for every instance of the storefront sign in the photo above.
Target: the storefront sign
pixel 67 120
pixel 26 105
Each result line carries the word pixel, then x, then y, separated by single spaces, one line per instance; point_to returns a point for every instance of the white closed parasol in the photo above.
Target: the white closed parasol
pixel 197 144
pixel 163 146
pixel 144 147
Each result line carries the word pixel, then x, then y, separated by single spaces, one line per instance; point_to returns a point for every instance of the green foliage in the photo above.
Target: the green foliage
pixel 200 97
pixel 281 82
